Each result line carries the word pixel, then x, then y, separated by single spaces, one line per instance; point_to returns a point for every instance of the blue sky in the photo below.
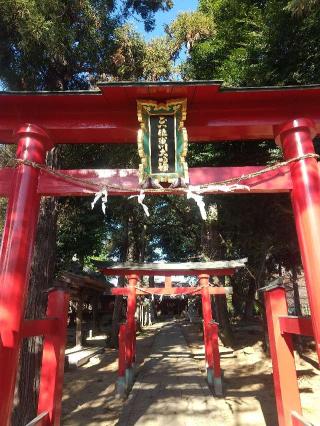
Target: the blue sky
pixel 163 18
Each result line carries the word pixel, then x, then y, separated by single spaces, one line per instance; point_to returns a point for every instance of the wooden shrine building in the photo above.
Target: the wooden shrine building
pixel 84 289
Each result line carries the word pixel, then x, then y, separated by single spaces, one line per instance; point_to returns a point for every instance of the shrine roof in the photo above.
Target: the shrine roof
pixel 109 115
pixel 220 267
pixel 76 281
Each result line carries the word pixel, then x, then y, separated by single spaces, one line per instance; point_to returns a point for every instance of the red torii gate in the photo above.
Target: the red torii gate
pixel 127 333
pixel 38 121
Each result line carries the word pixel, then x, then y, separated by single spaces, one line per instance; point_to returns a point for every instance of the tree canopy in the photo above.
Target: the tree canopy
pixel 55 45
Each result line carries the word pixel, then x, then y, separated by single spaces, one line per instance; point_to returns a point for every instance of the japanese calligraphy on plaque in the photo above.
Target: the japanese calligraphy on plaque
pixel 162 141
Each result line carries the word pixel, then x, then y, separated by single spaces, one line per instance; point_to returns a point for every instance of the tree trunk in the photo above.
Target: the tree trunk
pixel 249 306
pixel 153 306
pixel 296 295
pixel 132 250
pixel 254 284
pixel 42 273
pixel 265 343
pixel 118 303
pixel 80 338
pixel 297 307
pixel 117 315
pixel 95 315
pixel 225 330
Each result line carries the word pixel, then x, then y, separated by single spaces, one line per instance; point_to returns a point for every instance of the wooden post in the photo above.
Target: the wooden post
pixel 79 311
pixel 121 382
pixel 295 138
pixel 214 327
pixel 134 343
pixel 16 257
pixel 131 329
pixel 52 367
pixel 210 333
pixel 95 320
pixel 281 349
pixel 207 318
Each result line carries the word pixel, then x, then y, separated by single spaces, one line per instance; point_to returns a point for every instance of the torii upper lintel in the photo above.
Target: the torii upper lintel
pixel 109 115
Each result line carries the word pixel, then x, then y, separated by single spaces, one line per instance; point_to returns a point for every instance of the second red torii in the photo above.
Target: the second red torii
pixel 127 333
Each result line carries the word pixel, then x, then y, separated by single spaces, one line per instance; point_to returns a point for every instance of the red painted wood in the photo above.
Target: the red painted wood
pixel 134 343
pixel 6 180
pixel 296 325
pixel 110 116
pixel 6 230
pixel 170 291
pixel 16 259
pixel 295 138
pixel 131 310
pixel 39 327
pixel 271 182
pixel 207 318
pixel 281 349
pixel 122 350
pixel 214 333
pixel 165 272
pixel 52 367
pixel 210 328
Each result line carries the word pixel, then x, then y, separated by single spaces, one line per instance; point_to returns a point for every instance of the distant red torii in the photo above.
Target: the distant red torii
pixel 202 270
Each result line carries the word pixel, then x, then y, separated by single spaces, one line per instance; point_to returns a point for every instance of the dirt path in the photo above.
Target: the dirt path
pixel 89 398
pixel 248 381
pixel 89 391
pixel 171 390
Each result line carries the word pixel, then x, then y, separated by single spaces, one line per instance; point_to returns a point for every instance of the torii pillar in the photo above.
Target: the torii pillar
pixel 295 138
pixel 210 335
pixel 131 329
pixel 16 256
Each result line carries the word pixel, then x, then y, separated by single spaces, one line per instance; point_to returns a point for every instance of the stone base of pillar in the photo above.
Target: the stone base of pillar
pixel 210 377
pixel 217 386
pixel 129 377
pixel 214 382
pixel 121 388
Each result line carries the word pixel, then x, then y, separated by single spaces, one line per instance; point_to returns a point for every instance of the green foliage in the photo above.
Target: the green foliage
pixel 135 59
pixel 49 44
pixel 88 232
pixel 292 55
pixel 175 225
pixel 53 45
pixel 257 43
pixel 129 55
pixel 230 50
pixel 189 28
pixel 157 62
pixel 57 44
pixel 146 9
pixel 301 6
pixel 79 231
